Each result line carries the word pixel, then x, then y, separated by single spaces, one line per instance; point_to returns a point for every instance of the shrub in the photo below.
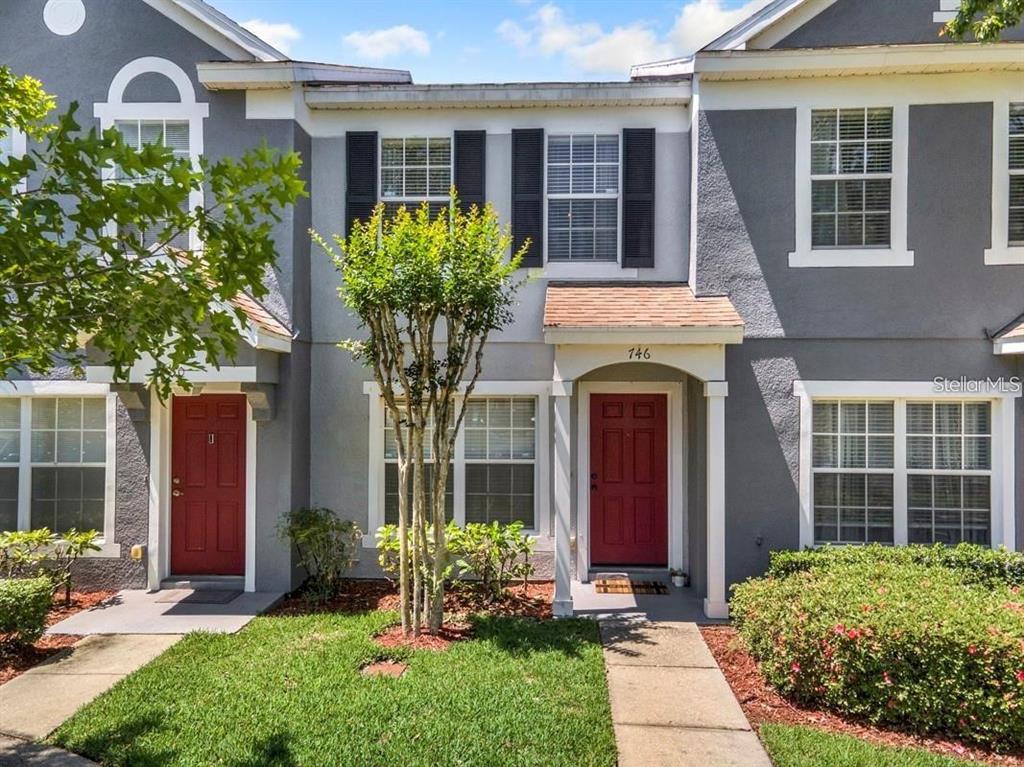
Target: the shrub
pixel 388 549
pixel 496 554
pixel 976 563
pixel 920 647
pixel 325 544
pixel 22 552
pixel 493 554
pixel 24 603
pixel 66 550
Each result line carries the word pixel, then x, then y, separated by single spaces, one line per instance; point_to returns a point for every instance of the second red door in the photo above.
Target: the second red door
pixel 628 479
pixel 208 485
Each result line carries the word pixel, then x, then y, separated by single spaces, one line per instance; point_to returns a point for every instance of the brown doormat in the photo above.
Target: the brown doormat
pixel 197 597
pixel 625 586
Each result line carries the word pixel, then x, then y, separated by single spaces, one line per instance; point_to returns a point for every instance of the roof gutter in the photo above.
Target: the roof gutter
pixel 240 75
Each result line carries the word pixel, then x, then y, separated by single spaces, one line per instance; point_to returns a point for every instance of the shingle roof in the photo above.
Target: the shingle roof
pixel 639 305
pixel 260 316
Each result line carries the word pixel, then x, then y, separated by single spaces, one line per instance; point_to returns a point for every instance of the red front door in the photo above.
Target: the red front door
pixel 208 485
pixel 628 479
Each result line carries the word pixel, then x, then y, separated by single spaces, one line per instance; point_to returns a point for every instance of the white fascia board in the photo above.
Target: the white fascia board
pixel 271 342
pixel 644 336
pixel 217 30
pixel 52 388
pixel 867 60
pixel 257 75
pixel 511 95
pixel 1008 346
pixel 662 69
pixel 139 374
pixel 738 36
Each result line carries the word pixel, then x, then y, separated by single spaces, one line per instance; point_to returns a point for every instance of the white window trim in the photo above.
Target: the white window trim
pixel 1003 522
pixel 897 253
pixel 115 108
pixel 28 390
pixel 541 465
pixel 413 201
pixel 1002 252
pixel 569 268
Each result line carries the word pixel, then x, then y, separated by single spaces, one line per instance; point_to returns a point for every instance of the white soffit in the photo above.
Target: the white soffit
pixel 260 75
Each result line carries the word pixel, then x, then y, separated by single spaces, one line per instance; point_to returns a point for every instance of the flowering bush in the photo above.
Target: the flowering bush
pixel 976 563
pixel 914 646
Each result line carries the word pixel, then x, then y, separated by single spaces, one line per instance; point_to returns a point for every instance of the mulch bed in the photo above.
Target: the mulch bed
pixel 763 705
pixel 441 640
pixel 16 660
pixel 460 601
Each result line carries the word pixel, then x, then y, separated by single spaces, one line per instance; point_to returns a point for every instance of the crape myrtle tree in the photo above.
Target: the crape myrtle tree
pixel 87 225
pixel 984 19
pixel 428 292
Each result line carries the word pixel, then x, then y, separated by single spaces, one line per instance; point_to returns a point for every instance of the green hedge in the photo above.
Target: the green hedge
pixel 920 647
pixel 976 563
pixel 24 603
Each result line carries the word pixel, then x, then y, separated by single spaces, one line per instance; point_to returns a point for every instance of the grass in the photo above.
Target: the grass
pixel 791 746
pixel 287 691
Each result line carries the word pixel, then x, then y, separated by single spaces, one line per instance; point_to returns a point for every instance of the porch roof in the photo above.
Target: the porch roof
pixel 1010 338
pixel 662 312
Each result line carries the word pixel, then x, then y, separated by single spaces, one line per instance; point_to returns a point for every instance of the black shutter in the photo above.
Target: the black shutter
pixel 528 193
pixel 638 198
pixel 471 167
pixel 360 176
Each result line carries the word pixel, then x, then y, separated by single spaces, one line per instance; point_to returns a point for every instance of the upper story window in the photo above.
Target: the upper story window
pixel 1015 218
pixel 583 197
pixel 55 463
pixel 851 177
pixel 415 170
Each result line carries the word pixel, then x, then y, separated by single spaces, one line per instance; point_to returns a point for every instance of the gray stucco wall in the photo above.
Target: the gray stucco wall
pixel 874 22
pixel 898 324
pixel 80 68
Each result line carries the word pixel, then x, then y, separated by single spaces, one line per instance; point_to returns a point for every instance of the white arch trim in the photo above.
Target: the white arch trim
pixel 188 108
pixel 703 361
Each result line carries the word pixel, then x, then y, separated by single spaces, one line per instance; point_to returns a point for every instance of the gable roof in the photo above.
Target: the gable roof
pixel 757 22
pixel 217 30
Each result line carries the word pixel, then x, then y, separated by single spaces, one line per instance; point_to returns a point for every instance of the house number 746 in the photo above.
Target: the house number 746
pixel 639 353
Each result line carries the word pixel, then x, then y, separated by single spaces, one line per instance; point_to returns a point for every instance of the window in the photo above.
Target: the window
pixel 172 134
pixel 414 170
pixel 391 472
pixel 500 449
pixel 60 445
pixel 852 448
pixel 851 177
pixel 1016 155
pixel 583 197
pixel 493 476
pixel 949 464
pixel 877 461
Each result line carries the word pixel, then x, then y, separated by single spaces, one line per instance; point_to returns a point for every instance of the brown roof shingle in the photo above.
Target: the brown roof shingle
pixel 260 316
pixel 638 305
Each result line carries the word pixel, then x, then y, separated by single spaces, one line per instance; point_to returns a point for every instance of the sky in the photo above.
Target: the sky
pixel 490 40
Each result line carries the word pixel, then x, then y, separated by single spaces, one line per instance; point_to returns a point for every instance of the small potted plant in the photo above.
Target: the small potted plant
pixel 679 578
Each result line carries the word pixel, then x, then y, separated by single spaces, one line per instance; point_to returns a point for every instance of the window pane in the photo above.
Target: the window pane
pixel 823 231
pixel 879 157
pixel 876 229
pixel 879 123
pixel 948 453
pixel 826 489
pixel 44 413
pixel 850 230
pixel 151 132
pixel 1017 152
pixel 947 418
pixel 880 417
pixel 391 182
pixel 852 451
pixel 919 452
pixel 558 149
pixel 877 194
pixel 415 151
pixel 850 196
pixel 826 452
pixel 94 413
pixel 854 418
pixel 851 124
pixel 440 151
pixel 880 452
pixel 67 497
pixel 10 413
pixel 582 179
pixel 978 453
pixel 176 137
pixel 69 446
pixel 391 152
pixel 416 182
pixel 919 418
pixel 94 446
pixel 823 158
pixel 558 179
pixel 129 130
pixel 440 181
pixel 977 418
pixel 69 413
pixel 607 149
pixel 852 490
pixel 823 196
pixel 823 125
pixel 500 493
pixel 8 499
pixel 582 149
pixel 826 417
pixel 607 179
pixel 43 450
pixel 851 158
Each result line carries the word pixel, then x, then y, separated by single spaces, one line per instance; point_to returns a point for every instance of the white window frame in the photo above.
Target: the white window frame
pixel 1002 252
pixel 897 254
pixel 26 391
pixel 1003 521
pixel 414 201
pixel 187 109
pixel 593 267
pixel 540 390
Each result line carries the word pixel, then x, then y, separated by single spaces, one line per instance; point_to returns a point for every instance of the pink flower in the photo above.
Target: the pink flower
pixel 1020 675
pixel 886 677
pixel 840 629
pixel 971 649
pixel 795 668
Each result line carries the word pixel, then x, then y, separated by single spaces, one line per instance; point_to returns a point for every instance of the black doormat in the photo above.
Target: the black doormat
pixel 627 586
pixel 197 596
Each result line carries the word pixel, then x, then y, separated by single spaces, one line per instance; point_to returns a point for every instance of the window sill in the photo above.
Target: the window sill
pixel 1007 254
pixel 854 257
pixel 583 270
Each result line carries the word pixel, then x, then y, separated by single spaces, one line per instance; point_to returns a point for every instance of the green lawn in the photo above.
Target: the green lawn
pixel 806 747
pixel 287 691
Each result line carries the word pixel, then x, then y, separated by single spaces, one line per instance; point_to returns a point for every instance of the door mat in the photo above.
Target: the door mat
pixel 624 586
pixel 197 596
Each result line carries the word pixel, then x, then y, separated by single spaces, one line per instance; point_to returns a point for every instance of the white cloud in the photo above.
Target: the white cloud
pixel 589 48
pixel 385 43
pixel 281 36
pixel 701 21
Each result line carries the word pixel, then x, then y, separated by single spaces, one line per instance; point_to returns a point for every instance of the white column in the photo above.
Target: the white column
pixel 715 604
pixel 561 476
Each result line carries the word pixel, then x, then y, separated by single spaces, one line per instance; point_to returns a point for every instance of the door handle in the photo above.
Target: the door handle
pixel 176 492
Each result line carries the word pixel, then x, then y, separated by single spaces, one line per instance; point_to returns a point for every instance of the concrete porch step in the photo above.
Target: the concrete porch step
pixel 204 582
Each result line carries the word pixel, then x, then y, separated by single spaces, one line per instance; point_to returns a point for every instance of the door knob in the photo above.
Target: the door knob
pixel 176 492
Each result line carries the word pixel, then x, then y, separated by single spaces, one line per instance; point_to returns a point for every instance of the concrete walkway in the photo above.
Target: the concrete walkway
pixel 671 705
pixel 19 753
pixel 145 612
pixel 40 700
